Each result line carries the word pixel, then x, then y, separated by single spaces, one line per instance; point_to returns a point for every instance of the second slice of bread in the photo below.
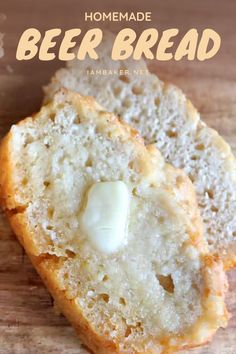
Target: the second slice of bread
pixel 160 291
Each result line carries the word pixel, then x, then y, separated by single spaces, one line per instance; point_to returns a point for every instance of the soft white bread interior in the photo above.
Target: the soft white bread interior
pixel 163 116
pixel 159 289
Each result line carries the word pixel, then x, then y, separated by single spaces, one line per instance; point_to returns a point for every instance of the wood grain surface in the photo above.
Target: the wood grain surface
pixel 28 320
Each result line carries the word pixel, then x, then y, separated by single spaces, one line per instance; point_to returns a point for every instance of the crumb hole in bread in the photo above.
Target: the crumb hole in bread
pixel 70 254
pixel 90 305
pixel 171 134
pixel 131 164
pixel 127 103
pixel 133 328
pixel 46 184
pixel 117 90
pixel 157 101
pixel 50 212
pixel 214 209
pixel 135 120
pixel 104 297
pixel 124 78
pixel 25 181
pixel 50 242
pixel 110 134
pixel 137 90
pixel 52 116
pixel 122 301
pixel 49 227
pixel 191 177
pixel 89 162
pixel 135 192
pixel 28 140
pixel 105 278
pixel 179 180
pixel 102 113
pixel 194 286
pixel 128 331
pixel 161 219
pixel 210 193
pixel 191 307
pixel 200 147
pixel 77 120
pixel 166 282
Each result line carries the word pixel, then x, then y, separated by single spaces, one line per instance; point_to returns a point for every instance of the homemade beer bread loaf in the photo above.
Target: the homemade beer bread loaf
pixel 113 230
pixel 163 116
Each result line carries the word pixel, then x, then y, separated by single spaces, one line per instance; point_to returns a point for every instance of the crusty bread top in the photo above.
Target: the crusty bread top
pixel 163 115
pixel 162 290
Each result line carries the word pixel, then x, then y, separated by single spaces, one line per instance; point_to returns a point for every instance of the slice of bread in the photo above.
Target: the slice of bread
pixel 160 289
pixel 163 115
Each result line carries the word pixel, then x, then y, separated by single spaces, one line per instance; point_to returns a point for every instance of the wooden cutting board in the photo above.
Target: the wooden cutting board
pixel 28 321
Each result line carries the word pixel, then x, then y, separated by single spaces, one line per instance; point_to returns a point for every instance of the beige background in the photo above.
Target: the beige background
pixel 28 323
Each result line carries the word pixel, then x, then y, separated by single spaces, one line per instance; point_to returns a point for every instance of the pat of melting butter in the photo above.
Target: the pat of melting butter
pixel 105 217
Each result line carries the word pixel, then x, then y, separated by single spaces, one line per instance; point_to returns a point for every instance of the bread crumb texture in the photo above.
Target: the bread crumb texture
pixel 164 117
pixel 162 290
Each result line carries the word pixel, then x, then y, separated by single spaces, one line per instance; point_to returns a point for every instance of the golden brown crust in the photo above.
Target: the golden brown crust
pixel 46 266
pixel 6 171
